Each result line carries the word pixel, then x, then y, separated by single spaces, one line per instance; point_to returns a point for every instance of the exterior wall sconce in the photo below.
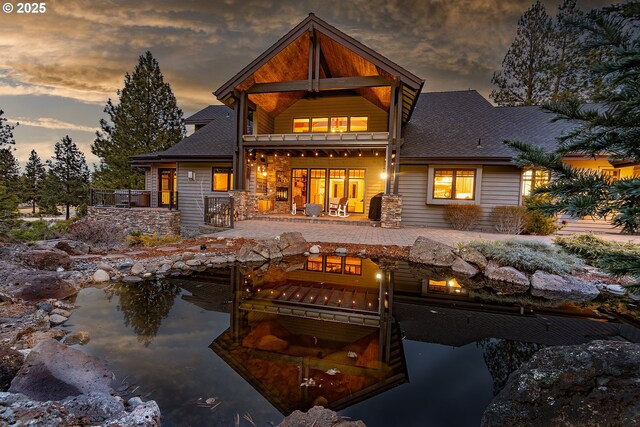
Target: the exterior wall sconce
pixel 191 175
pixel 383 175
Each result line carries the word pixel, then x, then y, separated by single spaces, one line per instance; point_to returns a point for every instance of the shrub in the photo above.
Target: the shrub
pixel 528 256
pixel 137 238
pixel 82 210
pixel 96 232
pixel 509 219
pixel 537 223
pixel 40 230
pixel 593 249
pixel 462 216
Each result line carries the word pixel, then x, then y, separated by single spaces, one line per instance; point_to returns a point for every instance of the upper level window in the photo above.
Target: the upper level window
pixel 331 124
pixel 222 179
pixel 457 184
pixel 532 178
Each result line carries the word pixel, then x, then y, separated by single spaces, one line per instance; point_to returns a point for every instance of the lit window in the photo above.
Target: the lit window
pixel 353 265
pixel 458 184
pixel 612 173
pixel 222 179
pixel 358 124
pixel 314 264
pixel 333 264
pixel 300 125
pixel 320 124
pixel 339 124
pixel 532 178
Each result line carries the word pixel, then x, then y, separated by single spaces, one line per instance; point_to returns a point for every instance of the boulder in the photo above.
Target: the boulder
pixel 137 268
pixel 95 408
pixel 46 259
pixel 72 247
pixel 101 276
pixel 292 243
pixel 473 256
pixel 193 262
pixel 594 384
pixel 61 312
pixel 430 252
pixel 318 417
pixel 54 371
pixel 565 288
pixel 39 285
pixel 144 415
pixel 517 280
pixel 106 267
pixel 246 254
pixel 57 319
pixel 80 337
pixel 315 249
pixel 463 267
pixel 259 251
pixel 10 363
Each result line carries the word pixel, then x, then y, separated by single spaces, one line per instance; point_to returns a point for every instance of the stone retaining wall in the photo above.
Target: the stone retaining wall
pixel 391 213
pixel 148 221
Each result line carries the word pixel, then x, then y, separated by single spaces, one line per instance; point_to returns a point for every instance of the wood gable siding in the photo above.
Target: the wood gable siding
pixel 500 186
pixel 191 192
pixel 342 106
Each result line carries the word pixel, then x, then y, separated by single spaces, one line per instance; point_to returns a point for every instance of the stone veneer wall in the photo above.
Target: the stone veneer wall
pixel 391 212
pixel 158 221
pixel 280 165
pixel 245 204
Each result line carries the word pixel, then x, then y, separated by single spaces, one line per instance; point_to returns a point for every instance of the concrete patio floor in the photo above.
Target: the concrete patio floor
pixel 338 233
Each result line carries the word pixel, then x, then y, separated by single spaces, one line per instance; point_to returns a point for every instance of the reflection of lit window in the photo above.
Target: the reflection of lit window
pixel 353 265
pixel 334 264
pixel 314 264
pixel 456 184
pixel 222 179
pixel 358 124
pixel 532 178
pixel 320 124
pixel 612 173
pixel 300 125
pixel 339 124
pixel 450 286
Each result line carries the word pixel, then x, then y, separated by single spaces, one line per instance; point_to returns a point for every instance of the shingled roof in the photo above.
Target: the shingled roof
pixel 448 125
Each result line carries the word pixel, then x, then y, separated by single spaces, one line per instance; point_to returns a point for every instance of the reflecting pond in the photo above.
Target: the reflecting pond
pixel 386 342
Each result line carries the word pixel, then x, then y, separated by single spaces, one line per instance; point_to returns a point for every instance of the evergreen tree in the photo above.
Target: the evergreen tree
pixel 6 131
pixel 67 182
pixel 9 170
pixel 613 129
pixel 525 76
pixel 147 119
pixel 8 206
pixel 33 180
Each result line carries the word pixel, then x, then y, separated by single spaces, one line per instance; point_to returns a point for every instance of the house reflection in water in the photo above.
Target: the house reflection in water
pixel 316 330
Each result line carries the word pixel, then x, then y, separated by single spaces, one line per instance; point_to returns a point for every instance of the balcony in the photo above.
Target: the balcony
pixel 129 198
pixel 334 139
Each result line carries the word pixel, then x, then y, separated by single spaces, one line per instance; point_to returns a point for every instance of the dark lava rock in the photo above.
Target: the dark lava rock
pixel 45 305
pixel 54 371
pixel 94 408
pixel 46 259
pixel 595 384
pixel 10 363
pixel 38 285
pixel 430 252
pixel 318 417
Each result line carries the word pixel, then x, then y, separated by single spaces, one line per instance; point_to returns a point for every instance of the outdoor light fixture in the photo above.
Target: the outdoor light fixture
pixel 378 276
pixel 383 175
pixel 191 175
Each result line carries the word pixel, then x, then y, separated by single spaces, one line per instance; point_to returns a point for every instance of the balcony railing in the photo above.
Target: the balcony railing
pixel 219 211
pixel 129 198
pixel 342 137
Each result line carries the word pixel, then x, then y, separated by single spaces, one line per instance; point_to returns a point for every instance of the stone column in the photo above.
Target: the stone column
pixel 391 213
pixel 245 204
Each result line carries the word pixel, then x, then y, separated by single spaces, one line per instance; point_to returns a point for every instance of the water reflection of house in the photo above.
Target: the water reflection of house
pixel 309 336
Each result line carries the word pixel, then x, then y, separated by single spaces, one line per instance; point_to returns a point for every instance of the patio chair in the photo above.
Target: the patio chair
pixel 298 203
pixel 339 209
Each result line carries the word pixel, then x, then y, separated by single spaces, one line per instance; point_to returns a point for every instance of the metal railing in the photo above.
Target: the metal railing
pixel 129 198
pixel 219 211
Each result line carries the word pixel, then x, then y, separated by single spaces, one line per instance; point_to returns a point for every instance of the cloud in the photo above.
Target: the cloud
pixel 50 123
pixel 86 96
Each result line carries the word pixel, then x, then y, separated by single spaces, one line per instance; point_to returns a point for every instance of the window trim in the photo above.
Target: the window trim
pixel 476 187
pixel 534 181
pixel 229 173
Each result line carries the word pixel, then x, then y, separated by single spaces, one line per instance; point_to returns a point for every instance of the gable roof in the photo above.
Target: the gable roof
pixel 448 125
pixel 333 40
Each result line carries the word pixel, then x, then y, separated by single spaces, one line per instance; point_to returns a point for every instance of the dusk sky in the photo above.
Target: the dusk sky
pixel 58 68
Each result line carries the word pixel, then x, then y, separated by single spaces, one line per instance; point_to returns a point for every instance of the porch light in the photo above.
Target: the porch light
pixel 383 175
pixel 288 154
pixel 330 155
pixel 345 154
pixel 378 276
pixel 376 153
pixel 302 155
pixel 316 153
pixel 359 154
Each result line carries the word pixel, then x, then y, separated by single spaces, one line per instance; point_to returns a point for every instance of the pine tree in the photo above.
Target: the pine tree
pixel 9 170
pixel 525 76
pixel 613 129
pixel 147 119
pixel 33 180
pixel 67 182
pixel 6 131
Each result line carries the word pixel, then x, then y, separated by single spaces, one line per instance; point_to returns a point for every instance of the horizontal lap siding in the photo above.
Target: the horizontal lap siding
pixel 190 193
pixel 500 186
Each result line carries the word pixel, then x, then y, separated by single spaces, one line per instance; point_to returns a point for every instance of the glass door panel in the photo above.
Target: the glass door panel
pixel 166 185
pixel 317 186
pixel 337 179
pixel 355 191
pixel 299 186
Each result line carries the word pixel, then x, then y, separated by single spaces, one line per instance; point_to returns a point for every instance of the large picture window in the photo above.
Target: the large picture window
pixel 331 124
pixel 532 178
pixel 454 184
pixel 222 179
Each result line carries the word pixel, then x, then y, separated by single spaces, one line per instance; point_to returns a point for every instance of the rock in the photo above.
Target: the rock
pixel 315 249
pixel 44 305
pixel 246 254
pixel 80 337
pixel 61 312
pixel 341 251
pixel 306 253
pixel 179 265
pixel 615 289
pixel 134 401
pixel 124 266
pixel 147 415
pixel 592 384
pixel 317 417
pixel 10 363
pixel 137 268
pixel 554 287
pixel 519 281
pixel 463 267
pixel 72 247
pixel 193 262
pixel 38 285
pixel 430 252
pixel 104 266
pixel 131 279
pixel 95 408
pixel 220 259
pixel 231 258
pixel 101 276
pixel 64 305
pixel 18 410
pixel 56 319
pixel 473 256
pixel 292 243
pixel 164 268
pixel 46 259
pixel 54 371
